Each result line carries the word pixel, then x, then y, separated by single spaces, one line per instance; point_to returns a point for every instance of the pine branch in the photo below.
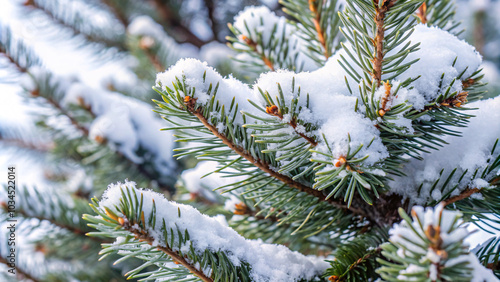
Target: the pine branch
pixel 6 48
pixel 317 21
pixel 365 25
pixel 141 217
pixel 154 59
pixel 173 21
pixel 16 52
pixel 463 195
pixel 355 260
pixel 210 4
pixel 24 144
pixel 319 30
pixel 356 264
pixel 198 112
pixel 72 20
pixel 274 111
pixel 223 136
pixel 152 46
pixel 19 272
pixel 142 235
pixel 253 46
pixel 265 41
pixel 421 246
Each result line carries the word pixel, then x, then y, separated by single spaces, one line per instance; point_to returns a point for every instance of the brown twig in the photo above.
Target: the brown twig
pixel 253 45
pixel 316 21
pixel 190 104
pixel 152 57
pixel 20 143
pixel 116 11
pixel 274 111
pixel 183 34
pixel 378 41
pixel 495 181
pixel 385 99
pixel 72 229
pixel 211 15
pixel 465 194
pixel 11 60
pixel 73 121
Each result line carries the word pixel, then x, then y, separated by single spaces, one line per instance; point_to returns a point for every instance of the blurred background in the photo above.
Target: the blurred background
pixel 76 113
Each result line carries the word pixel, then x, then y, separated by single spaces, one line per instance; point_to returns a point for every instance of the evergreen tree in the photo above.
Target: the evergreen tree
pixel 363 148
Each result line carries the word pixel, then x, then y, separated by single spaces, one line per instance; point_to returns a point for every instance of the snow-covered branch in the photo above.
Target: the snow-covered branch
pixel 193 237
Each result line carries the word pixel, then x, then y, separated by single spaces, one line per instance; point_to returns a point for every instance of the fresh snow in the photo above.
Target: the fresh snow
pixel 469 152
pixel 268 262
pixel 193 71
pixel 152 32
pixel 127 123
pixel 196 184
pixel 332 111
pixel 332 107
pixel 438 51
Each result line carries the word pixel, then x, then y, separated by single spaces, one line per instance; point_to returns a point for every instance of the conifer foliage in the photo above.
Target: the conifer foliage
pixel 361 151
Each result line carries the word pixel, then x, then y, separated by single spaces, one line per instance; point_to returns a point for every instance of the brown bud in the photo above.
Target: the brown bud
pixel 342 160
pixel 241 209
pixel 381 112
pixel 273 110
pixel 99 139
pixel 35 93
pixel 146 42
